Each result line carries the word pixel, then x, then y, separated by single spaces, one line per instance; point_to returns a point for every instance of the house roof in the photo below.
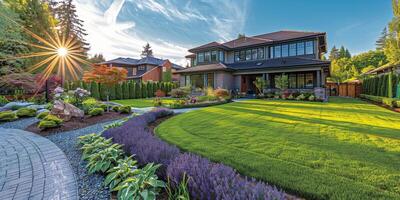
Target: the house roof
pixel 203 68
pixel 276 63
pixel 146 60
pixel 382 68
pixel 289 62
pixel 279 36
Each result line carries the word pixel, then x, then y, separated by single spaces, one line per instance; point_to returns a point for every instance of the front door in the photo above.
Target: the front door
pixel 247 84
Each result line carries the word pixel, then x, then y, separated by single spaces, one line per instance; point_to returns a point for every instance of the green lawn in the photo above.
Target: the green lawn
pixel 141 103
pixel 344 149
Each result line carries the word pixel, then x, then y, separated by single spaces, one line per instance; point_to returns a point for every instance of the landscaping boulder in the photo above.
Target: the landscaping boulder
pixel 66 111
pixel 319 93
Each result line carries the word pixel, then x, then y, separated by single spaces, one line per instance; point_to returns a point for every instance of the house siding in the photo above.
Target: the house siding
pixel 152 75
pixel 223 80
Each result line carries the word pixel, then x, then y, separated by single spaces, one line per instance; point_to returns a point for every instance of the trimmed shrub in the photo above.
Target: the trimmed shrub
pixel 179 93
pixel 96 111
pixel 396 103
pixel 26 112
pixel 125 90
pixel 125 109
pixel 115 108
pixel 103 91
pixel 94 90
pixel 160 93
pixel 222 93
pixel 89 104
pixel 132 92
pixel 8 116
pixel 45 124
pixel 144 90
pixel 113 92
pixel 53 118
pixel 118 89
pixel 42 115
pixel 3 100
pixel 377 99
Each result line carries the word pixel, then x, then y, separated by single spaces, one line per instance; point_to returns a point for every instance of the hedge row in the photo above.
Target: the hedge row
pixel 379 85
pixel 392 102
pixel 124 90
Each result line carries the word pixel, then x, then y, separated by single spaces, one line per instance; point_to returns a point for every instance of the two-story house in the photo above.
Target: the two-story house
pixel 235 64
pixel 146 69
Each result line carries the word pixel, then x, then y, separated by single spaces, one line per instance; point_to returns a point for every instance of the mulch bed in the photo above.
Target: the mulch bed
pixel 76 123
pixel 382 105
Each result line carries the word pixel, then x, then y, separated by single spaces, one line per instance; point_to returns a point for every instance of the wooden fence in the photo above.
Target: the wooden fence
pixel 350 89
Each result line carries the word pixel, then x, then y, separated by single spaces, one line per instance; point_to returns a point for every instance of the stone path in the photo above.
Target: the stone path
pixel 32 167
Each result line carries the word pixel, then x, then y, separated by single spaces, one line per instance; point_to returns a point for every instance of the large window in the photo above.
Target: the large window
pixel 237 57
pixel 300 48
pixel 197 80
pixel 310 47
pixel 292 49
pixel 201 57
pixel 248 54
pixel 285 50
pixel 300 80
pixel 222 57
pixel 210 80
pixel 292 80
pixel 271 52
pixel 134 71
pixel 213 56
pixel 260 53
pixel 242 55
pixel 142 68
pixel 207 56
pixel 254 54
pixel 309 80
pixel 277 51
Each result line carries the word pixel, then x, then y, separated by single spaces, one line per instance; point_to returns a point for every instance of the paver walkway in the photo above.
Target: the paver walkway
pixel 32 167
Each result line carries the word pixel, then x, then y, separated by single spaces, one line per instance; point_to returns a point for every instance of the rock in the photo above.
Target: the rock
pixel 65 110
pixel 37 107
pixel 41 110
pixel 16 105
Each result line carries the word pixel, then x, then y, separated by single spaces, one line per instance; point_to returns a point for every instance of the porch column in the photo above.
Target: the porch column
pixel 205 84
pixel 319 78
pixel 266 78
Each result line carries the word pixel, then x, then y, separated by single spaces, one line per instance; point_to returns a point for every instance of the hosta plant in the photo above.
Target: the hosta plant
pixel 144 185
pixel 88 139
pixel 126 168
pixel 94 147
pixel 104 159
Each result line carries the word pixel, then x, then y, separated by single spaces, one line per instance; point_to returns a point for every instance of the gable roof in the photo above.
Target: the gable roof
pixel 278 36
pixel 146 60
pixel 203 68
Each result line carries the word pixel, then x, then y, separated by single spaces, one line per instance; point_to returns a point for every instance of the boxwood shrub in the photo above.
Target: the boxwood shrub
pixel 124 109
pixel 42 115
pixel 96 111
pixel 26 112
pixel 8 116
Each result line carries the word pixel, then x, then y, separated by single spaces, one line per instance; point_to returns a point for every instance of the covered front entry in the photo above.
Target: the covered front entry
pixel 247 84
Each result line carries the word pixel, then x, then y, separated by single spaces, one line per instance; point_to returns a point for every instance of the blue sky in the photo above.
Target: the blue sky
pixel 121 27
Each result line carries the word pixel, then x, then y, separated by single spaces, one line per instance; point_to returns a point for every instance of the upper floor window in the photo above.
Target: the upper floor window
pixel 292 49
pixel 201 57
pixel 285 50
pixel 134 71
pixel 213 56
pixel 300 48
pixel 310 47
pixel 248 54
pixel 164 69
pixel 260 53
pixel 237 56
pixel 207 56
pixel 242 55
pixel 221 56
pixel 277 51
pixel 254 54
pixel 142 68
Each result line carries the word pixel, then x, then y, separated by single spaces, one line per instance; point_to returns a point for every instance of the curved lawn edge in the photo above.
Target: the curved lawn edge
pixel 311 184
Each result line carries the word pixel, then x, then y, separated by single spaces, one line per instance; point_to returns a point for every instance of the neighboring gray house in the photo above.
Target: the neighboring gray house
pixel 235 64
pixel 145 69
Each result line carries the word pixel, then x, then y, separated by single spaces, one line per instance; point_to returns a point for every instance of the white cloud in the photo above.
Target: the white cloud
pixel 221 19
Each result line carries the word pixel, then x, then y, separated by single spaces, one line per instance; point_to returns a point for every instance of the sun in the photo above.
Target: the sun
pixel 62 51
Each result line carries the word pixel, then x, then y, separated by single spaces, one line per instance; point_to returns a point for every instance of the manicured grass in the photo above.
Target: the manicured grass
pixel 141 103
pixel 344 149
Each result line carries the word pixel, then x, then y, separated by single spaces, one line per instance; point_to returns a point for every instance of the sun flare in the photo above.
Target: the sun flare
pixel 62 51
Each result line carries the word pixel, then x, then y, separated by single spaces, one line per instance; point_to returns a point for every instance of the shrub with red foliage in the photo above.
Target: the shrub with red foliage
pixel 159 93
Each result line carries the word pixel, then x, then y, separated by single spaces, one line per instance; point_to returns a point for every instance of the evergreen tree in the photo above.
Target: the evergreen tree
pixel 347 54
pixel 113 92
pixel 334 53
pixel 147 51
pixel 131 89
pixel 380 43
pixel 97 58
pixel 241 35
pixel 94 90
pixel 69 23
pixel 342 52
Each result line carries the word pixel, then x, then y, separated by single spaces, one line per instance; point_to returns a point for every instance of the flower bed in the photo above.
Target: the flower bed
pixel 207 180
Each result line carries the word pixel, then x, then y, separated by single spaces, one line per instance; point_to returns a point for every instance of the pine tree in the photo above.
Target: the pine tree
pixel 342 52
pixel 380 43
pixel 94 90
pixel 334 54
pixel 347 54
pixel 69 23
pixel 241 35
pixel 97 58
pixel 147 51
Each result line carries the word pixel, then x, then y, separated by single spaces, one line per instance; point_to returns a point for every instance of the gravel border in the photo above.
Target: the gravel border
pixel 19 123
pixel 90 186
